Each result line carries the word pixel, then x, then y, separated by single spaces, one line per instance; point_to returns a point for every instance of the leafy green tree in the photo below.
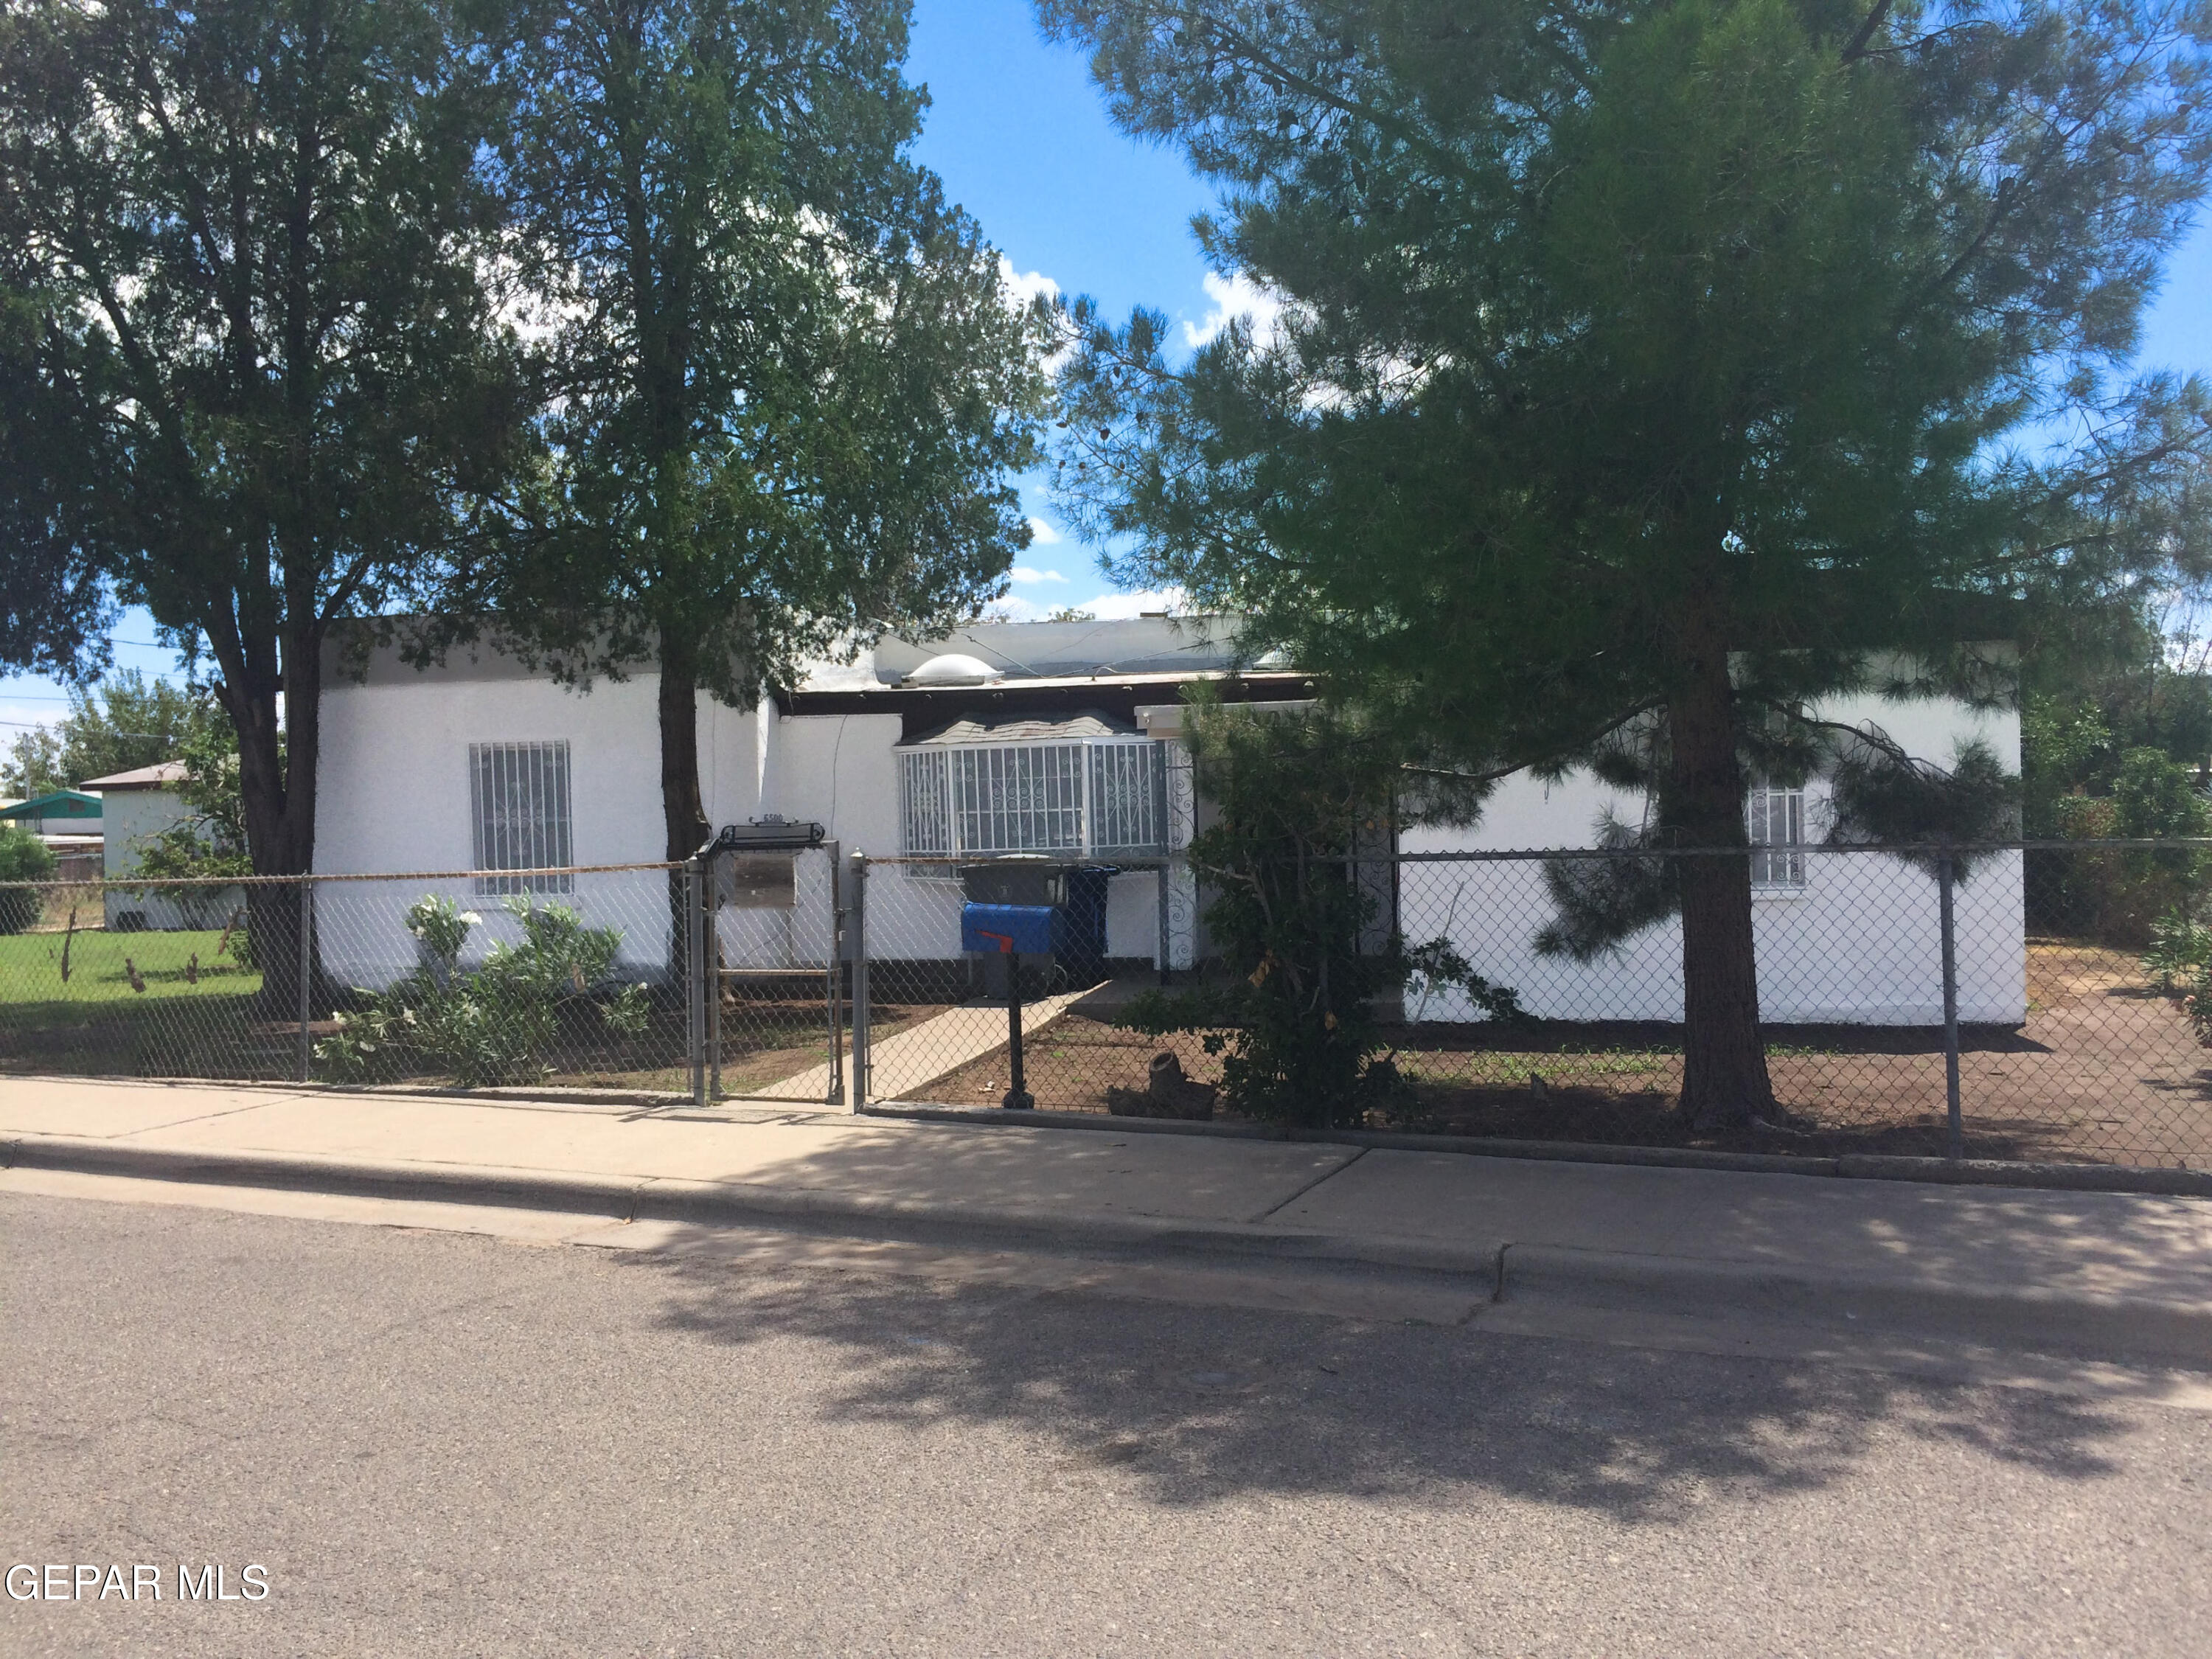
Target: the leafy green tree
pixel 2082 711
pixel 125 722
pixel 786 387
pixel 1650 364
pixel 252 371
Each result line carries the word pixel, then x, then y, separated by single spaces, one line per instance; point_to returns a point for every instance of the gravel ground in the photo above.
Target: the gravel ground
pixel 438 1444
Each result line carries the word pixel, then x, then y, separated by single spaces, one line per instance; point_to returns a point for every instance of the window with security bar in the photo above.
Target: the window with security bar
pixel 1078 799
pixel 519 792
pixel 1777 822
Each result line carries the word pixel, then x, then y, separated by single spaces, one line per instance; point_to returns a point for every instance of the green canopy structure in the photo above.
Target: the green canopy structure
pixel 68 808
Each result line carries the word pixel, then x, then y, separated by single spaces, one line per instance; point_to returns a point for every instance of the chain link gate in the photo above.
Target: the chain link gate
pixel 769 966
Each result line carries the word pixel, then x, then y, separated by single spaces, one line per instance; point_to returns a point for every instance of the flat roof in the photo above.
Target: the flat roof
pixel 926 710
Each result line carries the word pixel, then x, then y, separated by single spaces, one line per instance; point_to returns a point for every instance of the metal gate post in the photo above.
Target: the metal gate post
pixel 834 979
pixel 307 974
pixel 856 1088
pixel 1945 875
pixel 696 960
pixel 710 936
pixel 1167 845
pixel 1166 870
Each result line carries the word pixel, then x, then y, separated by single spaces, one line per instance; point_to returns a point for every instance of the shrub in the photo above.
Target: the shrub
pixel 2118 895
pixel 2198 1004
pixel 2180 949
pixel 1294 1013
pixel 496 1025
pixel 23 857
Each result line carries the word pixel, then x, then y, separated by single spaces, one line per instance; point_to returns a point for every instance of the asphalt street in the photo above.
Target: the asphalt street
pixel 440 1443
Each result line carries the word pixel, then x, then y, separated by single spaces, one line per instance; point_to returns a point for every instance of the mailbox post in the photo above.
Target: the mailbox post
pixel 1011 931
pixel 1018 1098
pixel 1013 911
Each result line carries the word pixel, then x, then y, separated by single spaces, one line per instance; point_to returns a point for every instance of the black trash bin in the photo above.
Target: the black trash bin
pixel 1080 925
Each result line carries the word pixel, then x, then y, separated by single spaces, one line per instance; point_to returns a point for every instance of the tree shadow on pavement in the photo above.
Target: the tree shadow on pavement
pixel 1199 1404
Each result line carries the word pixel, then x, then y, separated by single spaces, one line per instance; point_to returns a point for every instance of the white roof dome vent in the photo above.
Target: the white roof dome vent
pixel 953 668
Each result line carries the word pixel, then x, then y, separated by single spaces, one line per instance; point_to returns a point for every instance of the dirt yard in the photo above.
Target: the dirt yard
pixel 2107 1070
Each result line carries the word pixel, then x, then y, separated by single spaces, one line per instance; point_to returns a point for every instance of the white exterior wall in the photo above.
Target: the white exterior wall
pixel 133 818
pixel 393 778
pixel 395 798
pixel 1859 943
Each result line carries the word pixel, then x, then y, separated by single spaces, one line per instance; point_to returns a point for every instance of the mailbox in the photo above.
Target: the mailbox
pixel 1007 929
pixel 1046 908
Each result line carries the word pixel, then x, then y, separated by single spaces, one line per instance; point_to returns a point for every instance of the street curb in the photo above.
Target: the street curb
pixel 1503 1271
pixel 2030 1316
pixel 498 1095
pixel 660 1198
pixel 1859 1166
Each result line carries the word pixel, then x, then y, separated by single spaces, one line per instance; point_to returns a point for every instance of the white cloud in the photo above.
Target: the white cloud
pixel 1120 607
pixel 1234 298
pixel 1043 535
pixel 1020 289
pixel 1024 572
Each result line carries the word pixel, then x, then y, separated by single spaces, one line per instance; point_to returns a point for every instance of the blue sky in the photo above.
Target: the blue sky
pixel 1021 139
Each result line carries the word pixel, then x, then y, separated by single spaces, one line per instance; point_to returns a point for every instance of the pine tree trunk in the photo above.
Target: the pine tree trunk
pixel 683 811
pixel 1724 1081
pixel 683 814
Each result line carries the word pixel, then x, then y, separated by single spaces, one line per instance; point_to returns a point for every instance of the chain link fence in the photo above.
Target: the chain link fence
pixel 2078 993
pixel 585 977
pixel 2076 974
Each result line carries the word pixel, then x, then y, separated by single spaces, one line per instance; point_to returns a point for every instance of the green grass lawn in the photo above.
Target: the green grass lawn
pixel 168 965
pixel 196 1018
pixel 191 1019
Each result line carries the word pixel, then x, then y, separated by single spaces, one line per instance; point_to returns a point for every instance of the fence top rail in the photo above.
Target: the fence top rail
pixel 144 883
pixel 1153 860
pixel 952 863
pixel 1917 849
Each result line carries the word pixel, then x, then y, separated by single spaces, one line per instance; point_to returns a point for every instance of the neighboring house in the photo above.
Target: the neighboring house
pixel 61 815
pixel 68 820
pixel 141 804
pixel 1061 739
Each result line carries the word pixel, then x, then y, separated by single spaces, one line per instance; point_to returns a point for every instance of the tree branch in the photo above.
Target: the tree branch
pixel 1855 48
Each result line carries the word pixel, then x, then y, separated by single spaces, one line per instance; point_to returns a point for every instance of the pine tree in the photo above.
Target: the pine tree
pixel 1641 369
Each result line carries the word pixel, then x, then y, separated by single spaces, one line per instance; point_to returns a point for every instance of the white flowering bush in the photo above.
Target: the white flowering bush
pixel 496 1024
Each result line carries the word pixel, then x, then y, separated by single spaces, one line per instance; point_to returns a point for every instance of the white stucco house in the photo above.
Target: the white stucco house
pixel 1056 737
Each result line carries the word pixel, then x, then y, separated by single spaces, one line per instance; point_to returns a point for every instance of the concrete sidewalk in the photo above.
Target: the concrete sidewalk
pixel 2104 1271
pixel 906 1064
